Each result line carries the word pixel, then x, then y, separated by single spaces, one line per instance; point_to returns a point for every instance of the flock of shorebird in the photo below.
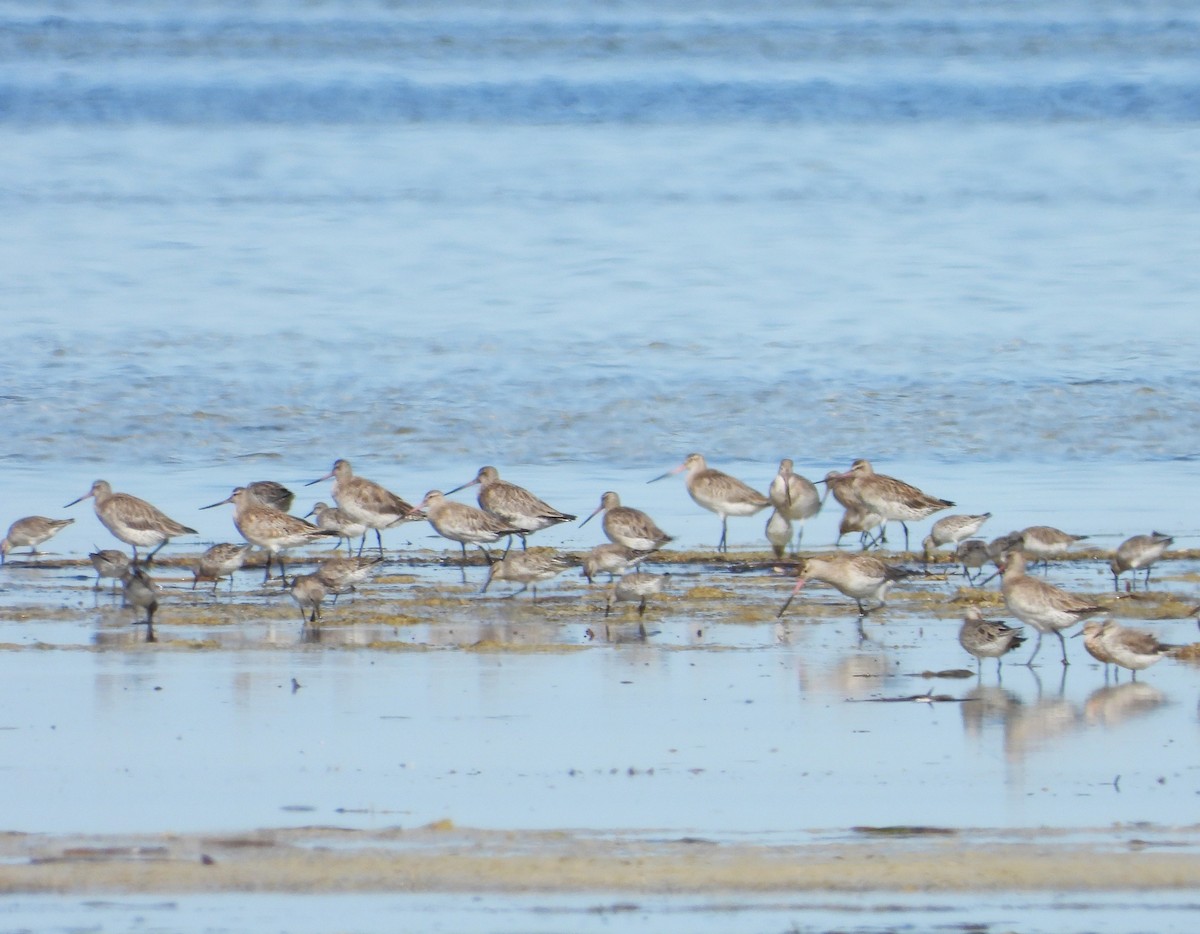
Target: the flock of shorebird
pixel 870 501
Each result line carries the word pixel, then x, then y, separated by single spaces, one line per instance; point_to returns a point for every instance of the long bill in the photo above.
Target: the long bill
pixel 327 476
pixel 600 509
pixel 788 602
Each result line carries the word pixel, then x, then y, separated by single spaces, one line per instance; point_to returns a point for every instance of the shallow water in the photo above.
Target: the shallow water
pixel 578 242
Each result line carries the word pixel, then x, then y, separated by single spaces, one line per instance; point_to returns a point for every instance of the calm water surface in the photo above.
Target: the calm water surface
pixel 578 242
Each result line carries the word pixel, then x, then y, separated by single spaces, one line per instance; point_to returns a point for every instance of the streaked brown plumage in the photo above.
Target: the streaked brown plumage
pixel 527 568
pixel 794 497
pixel 718 492
pixel 31 532
pixel 627 526
pixel 894 500
pixel 463 524
pixel 134 521
pixel 860 577
pixel 333 519
pixel 220 561
pixel 1039 604
pixel 270 529
pixel 986 638
pixel 1138 553
pixel 365 501
pixel 513 505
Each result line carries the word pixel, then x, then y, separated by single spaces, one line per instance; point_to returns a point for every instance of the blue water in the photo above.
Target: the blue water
pixel 579 240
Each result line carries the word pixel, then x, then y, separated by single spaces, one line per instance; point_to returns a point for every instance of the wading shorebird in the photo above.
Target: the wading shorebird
pixel 1093 643
pixel 972 555
pixel 636 585
pixel 987 638
pixel 463 524
pixel 1041 605
pixel 365 501
pixel 270 493
pixel 779 532
pixel 270 529
pixel 1137 554
pixel 860 577
pixel 611 559
pixel 308 593
pixel 627 526
pixel 134 521
pixel 527 568
pixel 141 593
pixel 513 505
pixel 220 561
pixel 108 563
pixel 31 532
pixel 1043 542
pixel 343 575
pixel 717 492
pixel 1132 649
pixel 333 519
pixel 794 497
pixel 894 500
pixel 950 530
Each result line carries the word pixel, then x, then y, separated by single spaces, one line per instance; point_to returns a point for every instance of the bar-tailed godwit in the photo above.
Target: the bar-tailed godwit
pixel 860 577
pixel 718 492
pixel 31 532
pixel 894 500
pixel 513 505
pixel 1137 554
pixel 463 524
pixel 270 529
pixel 134 521
pixel 627 526
pixel 794 497
pixel 1039 604
pixel 987 638
pixel 779 532
pixel 270 493
pixel 365 501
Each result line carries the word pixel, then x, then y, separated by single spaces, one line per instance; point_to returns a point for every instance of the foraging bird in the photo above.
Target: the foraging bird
pixel 220 561
pixel 860 577
pixel 627 526
pixel 1039 604
pixel 269 528
pixel 950 530
pixel 343 575
pixel 972 555
pixel 1137 554
pixel 986 638
pixel 463 524
pixel 894 500
pixel 109 563
pixel 513 505
pixel 365 501
pixel 718 492
pixel 611 559
pixel 1043 542
pixel 270 493
pixel 636 585
pixel 333 519
pixel 31 531
pixel 134 521
pixel 1132 649
pixel 794 497
pixel 141 593
pixel 527 568
pixel 779 532
pixel 308 592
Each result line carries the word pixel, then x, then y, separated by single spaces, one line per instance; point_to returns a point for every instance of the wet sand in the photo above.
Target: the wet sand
pixel 446 859
pixel 713 608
